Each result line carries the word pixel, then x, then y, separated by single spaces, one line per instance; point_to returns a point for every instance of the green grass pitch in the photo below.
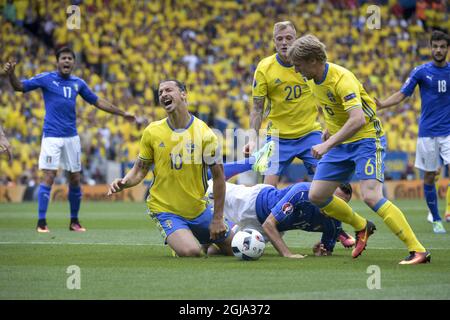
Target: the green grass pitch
pixel 121 256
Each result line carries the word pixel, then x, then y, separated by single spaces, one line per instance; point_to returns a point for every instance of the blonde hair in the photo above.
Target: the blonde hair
pixel 277 27
pixel 307 48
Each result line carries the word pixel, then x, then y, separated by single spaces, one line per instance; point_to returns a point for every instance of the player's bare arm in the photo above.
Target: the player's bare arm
pixel 217 228
pixel 132 178
pixel 107 106
pixel 5 147
pixel 393 100
pixel 355 121
pixel 256 117
pixel 9 69
pixel 270 228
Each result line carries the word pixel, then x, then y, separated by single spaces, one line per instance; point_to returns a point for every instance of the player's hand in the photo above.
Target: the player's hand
pixel 379 103
pixel 9 67
pixel 325 135
pixel 249 148
pixel 117 185
pixel 217 229
pixel 296 256
pixel 130 117
pixel 5 147
pixel 320 251
pixel 319 150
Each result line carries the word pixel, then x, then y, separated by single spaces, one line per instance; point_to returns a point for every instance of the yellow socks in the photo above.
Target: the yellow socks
pixel 340 210
pixel 396 221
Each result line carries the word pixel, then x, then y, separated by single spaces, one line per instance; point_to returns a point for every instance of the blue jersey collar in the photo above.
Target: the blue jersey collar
pixel 282 63
pixel 178 130
pixel 324 76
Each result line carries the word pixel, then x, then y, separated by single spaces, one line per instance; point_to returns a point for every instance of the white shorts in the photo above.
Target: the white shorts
pixel 60 152
pixel 432 152
pixel 240 205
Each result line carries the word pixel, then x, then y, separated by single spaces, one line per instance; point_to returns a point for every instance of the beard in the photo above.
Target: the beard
pixel 439 60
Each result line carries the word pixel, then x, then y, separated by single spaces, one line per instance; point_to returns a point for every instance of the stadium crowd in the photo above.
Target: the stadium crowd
pixel 124 49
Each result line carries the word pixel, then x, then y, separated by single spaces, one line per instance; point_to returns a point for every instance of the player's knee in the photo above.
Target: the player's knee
pixel 428 177
pixel 371 199
pixel 316 198
pixel 189 252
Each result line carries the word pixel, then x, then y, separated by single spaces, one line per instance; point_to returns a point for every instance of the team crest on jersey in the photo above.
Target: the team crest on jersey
pixel 287 208
pixel 169 224
pixel 76 87
pixel 190 147
pixel 331 96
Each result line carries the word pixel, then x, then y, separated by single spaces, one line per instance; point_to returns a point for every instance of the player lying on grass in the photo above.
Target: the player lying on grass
pixel 176 199
pixel 272 211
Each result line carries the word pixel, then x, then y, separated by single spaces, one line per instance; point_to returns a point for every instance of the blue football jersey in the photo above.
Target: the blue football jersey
pixel 60 95
pixel 434 85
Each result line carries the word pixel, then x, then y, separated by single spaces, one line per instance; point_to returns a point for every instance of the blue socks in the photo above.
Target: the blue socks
pixel 75 201
pixel 234 168
pixel 43 200
pixel 432 200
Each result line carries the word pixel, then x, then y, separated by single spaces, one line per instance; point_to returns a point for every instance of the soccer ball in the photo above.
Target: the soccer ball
pixel 248 244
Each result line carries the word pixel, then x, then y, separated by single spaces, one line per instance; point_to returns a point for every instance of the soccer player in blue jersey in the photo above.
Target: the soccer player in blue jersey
pixel 354 142
pixel 60 141
pixel 433 143
pixel 272 211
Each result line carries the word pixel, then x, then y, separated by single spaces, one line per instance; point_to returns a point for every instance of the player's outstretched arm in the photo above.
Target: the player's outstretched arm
pixel 256 117
pixel 355 121
pixel 5 147
pixel 107 106
pixel 393 100
pixel 9 69
pixel 270 228
pixel 132 178
pixel 218 228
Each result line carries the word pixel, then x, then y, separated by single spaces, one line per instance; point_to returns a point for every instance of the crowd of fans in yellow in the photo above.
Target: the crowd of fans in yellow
pixel 124 48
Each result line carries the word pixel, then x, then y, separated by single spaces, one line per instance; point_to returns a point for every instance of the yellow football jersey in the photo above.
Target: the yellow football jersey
pixel 292 109
pixel 180 169
pixel 340 91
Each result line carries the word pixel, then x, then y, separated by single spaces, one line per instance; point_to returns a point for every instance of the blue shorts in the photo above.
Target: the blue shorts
pixel 168 223
pixel 288 149
pixel 364 157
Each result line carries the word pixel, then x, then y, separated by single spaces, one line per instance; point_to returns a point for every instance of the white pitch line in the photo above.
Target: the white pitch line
pixel 142 244
pixel 82 243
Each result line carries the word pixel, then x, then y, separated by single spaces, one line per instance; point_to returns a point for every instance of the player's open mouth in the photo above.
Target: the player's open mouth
pixel 167 102
pixel 66 68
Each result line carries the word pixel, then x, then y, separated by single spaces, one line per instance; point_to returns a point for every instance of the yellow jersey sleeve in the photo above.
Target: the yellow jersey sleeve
pixel 347 90
pixel 145 146
pixel 259 88
pixel 210 145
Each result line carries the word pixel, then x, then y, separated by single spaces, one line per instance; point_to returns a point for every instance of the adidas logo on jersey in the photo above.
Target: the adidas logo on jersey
pixel 278 81
pixel 162 145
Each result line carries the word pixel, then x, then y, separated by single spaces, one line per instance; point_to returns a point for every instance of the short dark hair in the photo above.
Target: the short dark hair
pixel 438 35
pixel 346 188
pixel 64 50
pixel 179 84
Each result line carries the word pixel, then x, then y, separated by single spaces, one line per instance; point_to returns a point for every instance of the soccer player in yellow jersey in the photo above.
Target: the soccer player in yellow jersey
pixel 180 147
pixel 354 141
pixel 292 110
